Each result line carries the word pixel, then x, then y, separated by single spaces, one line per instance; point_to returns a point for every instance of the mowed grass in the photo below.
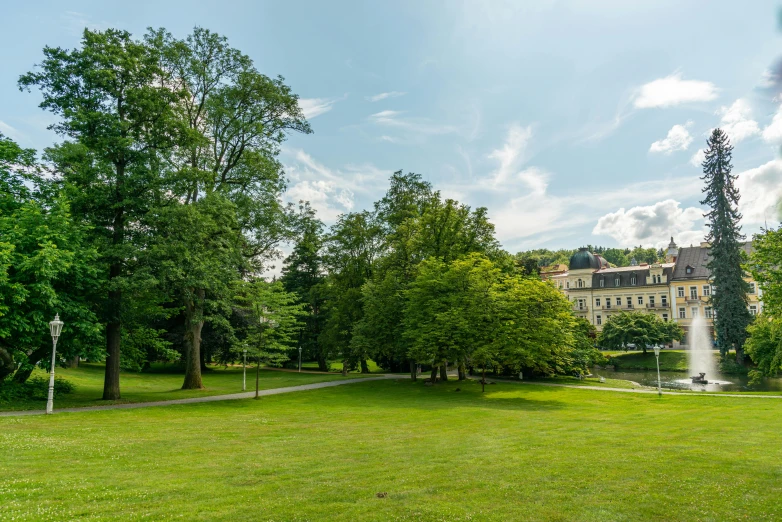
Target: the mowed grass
pixel 517 452
pixel 162 384
pixel 670 360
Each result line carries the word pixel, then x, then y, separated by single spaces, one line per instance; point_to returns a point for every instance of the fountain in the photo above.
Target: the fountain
pixel 701 354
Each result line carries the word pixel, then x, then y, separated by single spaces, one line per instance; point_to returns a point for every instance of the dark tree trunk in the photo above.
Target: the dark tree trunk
pixel 462 372
pixel 740 355
pixel 74 363
pixel 413 371
pixel 364 367
pixel 443 373
pixel 194 323
pixel 483 380
pixel 433 376
pixel 344 368
pixel 114 304
pixel 323 365
pixel 21 375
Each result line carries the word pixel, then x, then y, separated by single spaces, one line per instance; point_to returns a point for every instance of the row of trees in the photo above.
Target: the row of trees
pixel 542 257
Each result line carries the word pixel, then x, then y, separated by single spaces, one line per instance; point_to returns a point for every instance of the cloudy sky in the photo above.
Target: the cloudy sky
pixel 573 123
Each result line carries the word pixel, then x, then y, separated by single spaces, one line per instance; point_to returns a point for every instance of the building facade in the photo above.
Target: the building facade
pixel 676 290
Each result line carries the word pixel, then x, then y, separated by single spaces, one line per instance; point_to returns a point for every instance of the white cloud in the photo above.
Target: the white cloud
pixel 773 132
pixel 312 107
pixel 761 193
pixel 385 95
pixel 411 128
pixel 698 158
pixel 77 22
pixel 331 192
pixel 737 121
pixel 672 90
pixel 652 225
pixel 678 138
pixel 9 131
pixel 511 155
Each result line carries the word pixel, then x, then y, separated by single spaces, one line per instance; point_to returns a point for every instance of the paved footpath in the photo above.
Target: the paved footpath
pixel 646 390
pixel 211 398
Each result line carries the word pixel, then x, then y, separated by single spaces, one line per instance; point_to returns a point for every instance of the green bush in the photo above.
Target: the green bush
pixel 731 367
pixel 35 388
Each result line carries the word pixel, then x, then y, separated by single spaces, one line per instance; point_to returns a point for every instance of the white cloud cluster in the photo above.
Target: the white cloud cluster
pixel 652 224
pixel 678 138
pixel 312 107
pixel 698 158
pixel 330 192
pixel 737 121
pixel 511 155
pixel 673 90
pixel 761 193
pixel 411 129
pixel 773 132
pixel 385 95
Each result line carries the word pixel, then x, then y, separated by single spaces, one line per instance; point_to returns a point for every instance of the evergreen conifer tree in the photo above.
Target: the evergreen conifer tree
pixel 729 300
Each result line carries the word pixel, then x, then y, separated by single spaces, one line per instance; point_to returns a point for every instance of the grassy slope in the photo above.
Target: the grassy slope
pixel 674 361
pixel 519 452
pixel 162 384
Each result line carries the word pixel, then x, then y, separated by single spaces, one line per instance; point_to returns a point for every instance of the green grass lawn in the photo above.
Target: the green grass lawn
pixel 336 366
pixel 163 384
pixel 518 452
pixel 589 381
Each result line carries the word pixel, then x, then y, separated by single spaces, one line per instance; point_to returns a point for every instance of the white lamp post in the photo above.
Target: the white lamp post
pixel 657 356
pixel 299 357
pixel 244 369
pixel 55 327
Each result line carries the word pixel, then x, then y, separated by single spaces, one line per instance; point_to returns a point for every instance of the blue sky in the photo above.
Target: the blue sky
pixel 573 123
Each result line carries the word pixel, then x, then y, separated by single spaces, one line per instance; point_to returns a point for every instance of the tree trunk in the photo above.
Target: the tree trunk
pixel 462 372
pixel 74 363
pixel 483 380
pixel 113 342
pixel 443 373
pixel 413 371
pixel 740 355
pixel 323 365
pixel 21 375
pixel 433 376
pixel 194 323
pixel 345 368
pixel 364 367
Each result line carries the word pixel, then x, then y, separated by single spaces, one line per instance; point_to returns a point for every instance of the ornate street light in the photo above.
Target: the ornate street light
pixel 56 328
pixel 299 358
pixel 657 356
pixel 244 369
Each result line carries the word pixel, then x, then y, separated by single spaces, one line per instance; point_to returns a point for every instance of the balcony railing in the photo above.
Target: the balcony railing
pixel 583 308
pixel 657 305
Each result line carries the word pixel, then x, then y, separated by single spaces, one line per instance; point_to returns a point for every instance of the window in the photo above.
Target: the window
pixel 706 290
pixel 707 312
pixel 633 279
pixel 580 283
pixel 597 301
pixel 608 302
pixel 651 300
pixel 694 311
pixel 568 284
pixel 693 292
pixel 682 313
pixel 680 291
pixel 629 302
pixel 602 282
pixel 640 299
pixel 753 309
pixel 599 320
pixel 617 281
pixel 618 301
pixel 752 288
pixel 665 317
pixel 664 300
pixel 688 270
pixel 582 304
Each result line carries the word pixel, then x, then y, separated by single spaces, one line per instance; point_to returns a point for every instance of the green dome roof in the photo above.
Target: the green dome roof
pixel 584 259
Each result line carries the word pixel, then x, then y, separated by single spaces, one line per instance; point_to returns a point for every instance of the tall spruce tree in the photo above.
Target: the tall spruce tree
pixel 729 300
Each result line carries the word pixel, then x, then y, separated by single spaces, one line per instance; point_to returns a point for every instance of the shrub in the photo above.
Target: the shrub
pixel 731 367
pixel 35 388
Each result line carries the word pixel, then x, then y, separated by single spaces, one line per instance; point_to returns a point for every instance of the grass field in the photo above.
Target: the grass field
pixel 163 384
pixel 518 452
pixel 670 360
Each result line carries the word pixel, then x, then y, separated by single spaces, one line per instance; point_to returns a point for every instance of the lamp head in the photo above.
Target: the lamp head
pixel 56 326
pixel 657 350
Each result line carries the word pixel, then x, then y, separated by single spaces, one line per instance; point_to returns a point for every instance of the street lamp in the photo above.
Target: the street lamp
pixel 55 327
pixel 657 355
pixel 244 369
pixel 300 358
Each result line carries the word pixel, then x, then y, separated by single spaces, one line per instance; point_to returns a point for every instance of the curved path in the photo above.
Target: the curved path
pixel 648 390
pixel 211 398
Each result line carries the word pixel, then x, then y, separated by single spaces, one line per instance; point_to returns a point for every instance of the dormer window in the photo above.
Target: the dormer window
pixel 602 282
pixel 633 279
pixel 688 270
pixel 617 281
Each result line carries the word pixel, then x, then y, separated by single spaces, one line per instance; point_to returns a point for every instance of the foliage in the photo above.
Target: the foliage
pixel 764 265
pixel 34 388
pixel 640 329
pixel 729 300
pixel 764 345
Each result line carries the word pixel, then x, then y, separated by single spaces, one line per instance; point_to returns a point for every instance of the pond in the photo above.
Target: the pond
pixel 681 381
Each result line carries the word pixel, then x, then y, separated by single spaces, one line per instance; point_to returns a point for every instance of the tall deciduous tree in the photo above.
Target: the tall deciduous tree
pixel 640 329
pixel 111 99
pixel 764 345
pixel 729 299
pixel 238 118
